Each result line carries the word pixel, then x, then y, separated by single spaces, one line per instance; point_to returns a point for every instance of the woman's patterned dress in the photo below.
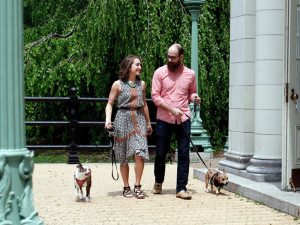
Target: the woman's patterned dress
pixel 130 124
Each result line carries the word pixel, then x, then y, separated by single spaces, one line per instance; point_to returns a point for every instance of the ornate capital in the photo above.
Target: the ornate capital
pixel 194 5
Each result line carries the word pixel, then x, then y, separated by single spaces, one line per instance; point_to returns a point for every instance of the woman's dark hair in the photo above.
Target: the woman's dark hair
pixel 125 67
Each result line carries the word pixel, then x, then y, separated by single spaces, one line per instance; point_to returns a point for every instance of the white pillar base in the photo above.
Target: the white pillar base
pixel 260 170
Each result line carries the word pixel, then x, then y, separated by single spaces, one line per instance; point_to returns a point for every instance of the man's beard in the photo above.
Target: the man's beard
pixel 174 66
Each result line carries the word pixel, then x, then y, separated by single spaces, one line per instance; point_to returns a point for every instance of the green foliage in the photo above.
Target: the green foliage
pixel 214 70
pixel 73 43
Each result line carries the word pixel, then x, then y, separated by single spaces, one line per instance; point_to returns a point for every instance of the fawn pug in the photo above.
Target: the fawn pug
pixel 216 179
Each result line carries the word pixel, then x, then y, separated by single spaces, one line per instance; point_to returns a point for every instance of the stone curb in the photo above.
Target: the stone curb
pixel 267 193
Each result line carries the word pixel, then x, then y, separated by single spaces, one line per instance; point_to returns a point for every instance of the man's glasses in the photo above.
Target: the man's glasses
pixel 171 57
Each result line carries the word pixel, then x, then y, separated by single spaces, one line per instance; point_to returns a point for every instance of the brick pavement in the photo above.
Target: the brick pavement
pixel 54 200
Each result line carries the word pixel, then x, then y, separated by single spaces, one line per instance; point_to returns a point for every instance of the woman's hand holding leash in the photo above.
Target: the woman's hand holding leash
pixel 108 125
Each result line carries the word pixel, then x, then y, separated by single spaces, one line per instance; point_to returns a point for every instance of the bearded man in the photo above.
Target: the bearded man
pixel 173 87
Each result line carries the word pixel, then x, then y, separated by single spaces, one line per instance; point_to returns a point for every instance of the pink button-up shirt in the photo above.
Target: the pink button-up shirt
pixel 174 89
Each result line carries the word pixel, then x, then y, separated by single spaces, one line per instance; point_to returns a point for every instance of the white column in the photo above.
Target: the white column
pixel 241 86
pixel 269 70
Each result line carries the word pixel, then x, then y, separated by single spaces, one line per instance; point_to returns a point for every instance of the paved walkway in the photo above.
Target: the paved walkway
pixel 54 200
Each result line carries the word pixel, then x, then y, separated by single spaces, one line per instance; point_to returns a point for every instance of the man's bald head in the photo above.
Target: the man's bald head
pixel 178 48
pixel 174 57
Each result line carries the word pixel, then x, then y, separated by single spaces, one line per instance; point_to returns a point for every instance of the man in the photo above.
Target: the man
pixel 173 86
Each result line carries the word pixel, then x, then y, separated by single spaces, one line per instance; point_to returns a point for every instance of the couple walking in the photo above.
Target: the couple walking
pixel 173 87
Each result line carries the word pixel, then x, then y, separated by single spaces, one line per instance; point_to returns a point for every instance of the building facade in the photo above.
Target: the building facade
pixel 264 110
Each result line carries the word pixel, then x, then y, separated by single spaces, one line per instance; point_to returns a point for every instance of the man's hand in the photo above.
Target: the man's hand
pixel 177 113
pixel 198 100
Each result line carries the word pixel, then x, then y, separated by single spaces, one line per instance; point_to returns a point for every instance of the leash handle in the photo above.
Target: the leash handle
pixel 111 132
pixel 195 106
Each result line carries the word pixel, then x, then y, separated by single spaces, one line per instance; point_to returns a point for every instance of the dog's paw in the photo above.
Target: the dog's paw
pixel 77 199
pixel 207 190
pixel 87 199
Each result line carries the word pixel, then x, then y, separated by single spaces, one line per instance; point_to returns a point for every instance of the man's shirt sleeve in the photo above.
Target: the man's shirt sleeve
pixel 156 89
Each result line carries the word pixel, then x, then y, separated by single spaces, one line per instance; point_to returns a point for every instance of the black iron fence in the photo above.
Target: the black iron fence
pixel 74 124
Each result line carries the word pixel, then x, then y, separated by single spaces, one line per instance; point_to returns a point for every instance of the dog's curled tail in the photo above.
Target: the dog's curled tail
pixel 210 167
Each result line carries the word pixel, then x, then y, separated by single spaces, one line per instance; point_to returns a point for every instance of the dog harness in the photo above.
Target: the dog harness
pixel 81 182
pixel 214 180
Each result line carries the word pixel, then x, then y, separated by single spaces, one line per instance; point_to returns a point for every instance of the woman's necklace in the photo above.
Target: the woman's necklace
pixel 133 86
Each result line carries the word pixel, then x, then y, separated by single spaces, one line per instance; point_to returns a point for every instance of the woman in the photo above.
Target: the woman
pixel 132 124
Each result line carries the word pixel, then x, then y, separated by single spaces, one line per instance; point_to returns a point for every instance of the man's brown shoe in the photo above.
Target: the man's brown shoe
pixel 184 195
pixel 157 188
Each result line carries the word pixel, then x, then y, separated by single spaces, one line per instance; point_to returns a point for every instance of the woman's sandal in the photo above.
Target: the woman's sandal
pixel 126 192
pixel 138 191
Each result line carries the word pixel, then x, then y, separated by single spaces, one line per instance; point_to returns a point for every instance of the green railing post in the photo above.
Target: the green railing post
pixel 16 162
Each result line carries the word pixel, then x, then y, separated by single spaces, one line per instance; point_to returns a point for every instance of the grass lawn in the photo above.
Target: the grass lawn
pixel 61 156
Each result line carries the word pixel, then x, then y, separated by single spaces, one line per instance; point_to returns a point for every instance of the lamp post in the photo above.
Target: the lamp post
pixel 194 8
pixel 198 134
pixel 16 162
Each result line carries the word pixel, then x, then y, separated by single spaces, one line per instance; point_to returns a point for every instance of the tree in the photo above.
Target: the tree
pixel 81 43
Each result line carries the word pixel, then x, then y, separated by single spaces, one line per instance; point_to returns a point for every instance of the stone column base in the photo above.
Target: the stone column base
pixel 235 161
pixel 260 170
pixel 264 170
